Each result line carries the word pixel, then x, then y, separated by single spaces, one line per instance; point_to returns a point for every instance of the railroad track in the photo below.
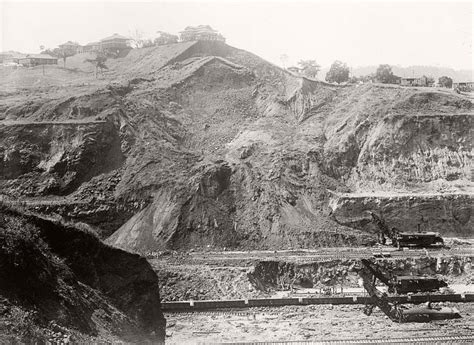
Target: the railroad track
pixel 336 255
pixel 461 339
pixel 223 306
pixel 250 313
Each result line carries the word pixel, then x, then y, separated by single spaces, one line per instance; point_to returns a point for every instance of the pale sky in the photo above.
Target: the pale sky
pixel 437 33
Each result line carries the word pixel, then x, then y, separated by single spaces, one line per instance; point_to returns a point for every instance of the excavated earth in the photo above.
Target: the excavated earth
pixel 201 146
pixel 241 275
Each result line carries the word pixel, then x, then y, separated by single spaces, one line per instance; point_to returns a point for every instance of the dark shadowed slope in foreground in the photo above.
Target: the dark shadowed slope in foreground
pixel 58 278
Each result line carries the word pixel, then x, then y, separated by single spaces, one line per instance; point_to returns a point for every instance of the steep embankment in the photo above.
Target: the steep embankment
pixel 409 159
pixel 221 148
pixel 447 213
pixel 60 275
pixel 411 150
pixel 280 275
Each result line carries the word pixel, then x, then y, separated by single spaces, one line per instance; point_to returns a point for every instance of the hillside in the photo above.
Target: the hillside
pixel 205 145
pixel 61 284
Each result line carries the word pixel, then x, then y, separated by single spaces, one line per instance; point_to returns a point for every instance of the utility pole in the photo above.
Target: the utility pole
pixel 41 51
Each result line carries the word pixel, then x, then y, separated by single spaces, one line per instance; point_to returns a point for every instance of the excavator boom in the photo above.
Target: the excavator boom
pixel 376 272
pixel 380 299
pixel 392 310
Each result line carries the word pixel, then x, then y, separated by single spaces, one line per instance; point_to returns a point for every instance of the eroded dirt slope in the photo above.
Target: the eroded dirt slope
pixel 220 148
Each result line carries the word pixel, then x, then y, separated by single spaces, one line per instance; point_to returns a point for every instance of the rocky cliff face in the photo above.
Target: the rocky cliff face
pixel 201 144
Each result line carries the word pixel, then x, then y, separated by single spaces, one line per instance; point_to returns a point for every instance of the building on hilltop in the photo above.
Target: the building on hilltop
pixel 466 86
pixel 200 33
pixel 91 47
pixel 115 43
pixel 422 81
pixel 72 47
pixel 32 60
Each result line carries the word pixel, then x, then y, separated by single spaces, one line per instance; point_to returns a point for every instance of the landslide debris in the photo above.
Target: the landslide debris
pixel 61 283
pixel 202 144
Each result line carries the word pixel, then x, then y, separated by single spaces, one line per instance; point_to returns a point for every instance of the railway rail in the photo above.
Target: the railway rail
pixel 221 306
pixel 460 339
pixel 336 255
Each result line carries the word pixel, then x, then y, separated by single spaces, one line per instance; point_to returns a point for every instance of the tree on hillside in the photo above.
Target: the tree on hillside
pixel 165 38
pixel 64 54
pixel 49 51
pixel 385 75
pixel 99 63
pixel 310 68
pixel 430 81
pixel 58 52
pixel 445 81
pixel 137 38
pixel 338 73
pixel 41 49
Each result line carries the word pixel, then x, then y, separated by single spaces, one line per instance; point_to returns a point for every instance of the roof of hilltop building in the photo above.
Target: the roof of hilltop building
pixel 92 44
pixel 199 29
pixel 200 32
pixel 115 37
pixel 70 43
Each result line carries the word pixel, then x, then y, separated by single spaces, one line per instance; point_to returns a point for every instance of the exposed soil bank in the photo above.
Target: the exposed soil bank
pixel 448 214
pixel 274 275
pixel 183 278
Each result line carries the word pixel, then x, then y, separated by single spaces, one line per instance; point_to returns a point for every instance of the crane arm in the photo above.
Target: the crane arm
pixel 376 272
pixel 393 312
